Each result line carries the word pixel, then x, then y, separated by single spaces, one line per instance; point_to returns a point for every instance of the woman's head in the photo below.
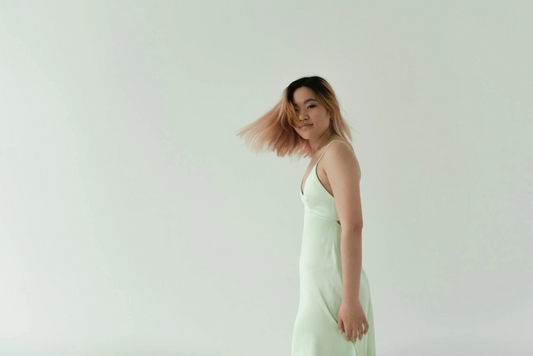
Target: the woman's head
pixel 306 100
pixel 312 119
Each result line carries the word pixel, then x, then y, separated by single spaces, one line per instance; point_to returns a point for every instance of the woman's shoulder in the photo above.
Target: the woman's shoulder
pixel 345 156
pixel 343 140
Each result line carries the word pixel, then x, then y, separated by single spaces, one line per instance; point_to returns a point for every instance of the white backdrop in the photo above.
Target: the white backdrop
pixel 133 221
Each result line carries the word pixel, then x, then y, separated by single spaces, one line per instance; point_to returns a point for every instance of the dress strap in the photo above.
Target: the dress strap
pixel 351 149
pixel 328 146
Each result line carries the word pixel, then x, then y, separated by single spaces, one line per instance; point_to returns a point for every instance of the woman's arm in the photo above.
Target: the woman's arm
pixel 343 172
pixel 344 175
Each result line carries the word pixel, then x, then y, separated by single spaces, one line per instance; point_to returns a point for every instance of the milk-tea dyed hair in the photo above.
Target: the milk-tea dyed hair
pixel 275 128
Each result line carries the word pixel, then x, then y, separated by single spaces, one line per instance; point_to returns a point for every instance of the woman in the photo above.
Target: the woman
pixel 334 290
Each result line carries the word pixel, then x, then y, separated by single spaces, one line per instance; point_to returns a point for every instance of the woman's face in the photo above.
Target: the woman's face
pixel 310 112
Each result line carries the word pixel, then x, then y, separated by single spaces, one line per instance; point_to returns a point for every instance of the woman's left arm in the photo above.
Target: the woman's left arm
pixel 344 176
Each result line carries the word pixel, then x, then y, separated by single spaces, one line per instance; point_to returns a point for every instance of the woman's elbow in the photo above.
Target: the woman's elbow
pixel 356 227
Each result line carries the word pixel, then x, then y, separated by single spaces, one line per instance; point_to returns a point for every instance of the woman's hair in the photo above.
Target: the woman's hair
pixel 275 128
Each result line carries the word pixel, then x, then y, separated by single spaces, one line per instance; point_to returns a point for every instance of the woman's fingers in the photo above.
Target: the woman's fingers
pixel 347 333
pixel 352 334
pixel 340 326
pixel 355 334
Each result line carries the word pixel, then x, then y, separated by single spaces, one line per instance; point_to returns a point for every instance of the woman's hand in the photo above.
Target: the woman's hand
pixel 352 319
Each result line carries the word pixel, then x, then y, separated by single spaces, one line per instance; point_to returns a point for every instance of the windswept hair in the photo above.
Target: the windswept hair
pixel 276 127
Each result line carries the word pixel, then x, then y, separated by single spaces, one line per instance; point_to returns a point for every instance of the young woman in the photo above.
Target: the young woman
pixel 334 289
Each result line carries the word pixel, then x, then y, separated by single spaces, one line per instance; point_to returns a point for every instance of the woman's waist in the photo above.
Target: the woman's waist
pixel 323 215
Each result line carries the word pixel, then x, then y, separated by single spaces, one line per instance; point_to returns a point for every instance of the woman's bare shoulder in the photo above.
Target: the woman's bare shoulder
pixel 341 146
pixel 339 138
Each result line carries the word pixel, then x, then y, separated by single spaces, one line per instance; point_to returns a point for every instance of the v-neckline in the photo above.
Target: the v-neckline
pixel 302 190
pixel 306 179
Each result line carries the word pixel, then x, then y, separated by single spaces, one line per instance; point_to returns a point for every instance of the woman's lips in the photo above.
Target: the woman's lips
pixel 306 126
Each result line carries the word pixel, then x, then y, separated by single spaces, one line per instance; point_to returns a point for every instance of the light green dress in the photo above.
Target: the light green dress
pixel 315 330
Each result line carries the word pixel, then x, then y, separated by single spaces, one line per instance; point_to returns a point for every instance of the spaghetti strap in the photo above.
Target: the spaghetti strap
pixel 351 149
pixel 328 146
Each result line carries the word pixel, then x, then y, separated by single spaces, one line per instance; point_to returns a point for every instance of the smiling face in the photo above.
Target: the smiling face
pixel 310 112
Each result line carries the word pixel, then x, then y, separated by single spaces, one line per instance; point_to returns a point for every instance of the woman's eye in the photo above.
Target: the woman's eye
pixel 310 106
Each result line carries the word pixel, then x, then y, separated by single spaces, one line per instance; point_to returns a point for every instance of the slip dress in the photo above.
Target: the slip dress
pixel 316 331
